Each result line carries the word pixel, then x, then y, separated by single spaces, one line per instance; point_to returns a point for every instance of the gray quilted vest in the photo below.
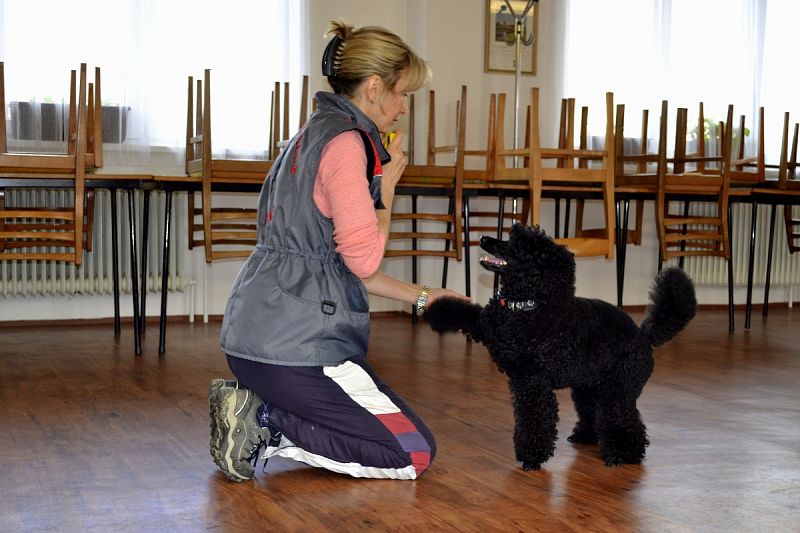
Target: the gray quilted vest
pixel 294 302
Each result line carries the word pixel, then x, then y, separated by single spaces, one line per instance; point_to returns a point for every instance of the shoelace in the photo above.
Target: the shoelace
pixel 274 440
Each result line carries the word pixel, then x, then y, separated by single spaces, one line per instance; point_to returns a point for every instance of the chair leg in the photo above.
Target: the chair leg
pixel 450 207
pixel 765 310
pixel 568 203
pixel 685 229
pixel 748 308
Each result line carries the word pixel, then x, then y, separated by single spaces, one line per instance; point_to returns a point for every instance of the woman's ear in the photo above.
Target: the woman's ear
pixel 373 86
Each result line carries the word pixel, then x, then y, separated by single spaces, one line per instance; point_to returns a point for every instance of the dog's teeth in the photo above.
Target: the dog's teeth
pixel 486 258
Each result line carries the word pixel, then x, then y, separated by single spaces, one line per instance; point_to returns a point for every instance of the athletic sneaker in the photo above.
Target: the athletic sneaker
pixel 241 435
pixel 213 399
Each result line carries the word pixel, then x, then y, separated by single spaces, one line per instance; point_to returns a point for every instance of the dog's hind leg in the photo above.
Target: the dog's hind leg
pixel 585 399
pixel 623 437
pixel 535 418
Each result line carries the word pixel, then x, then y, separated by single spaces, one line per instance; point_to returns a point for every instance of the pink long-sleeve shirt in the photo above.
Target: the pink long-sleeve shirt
pixel 341 194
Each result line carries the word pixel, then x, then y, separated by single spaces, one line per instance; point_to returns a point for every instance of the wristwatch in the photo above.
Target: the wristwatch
pixel 422 298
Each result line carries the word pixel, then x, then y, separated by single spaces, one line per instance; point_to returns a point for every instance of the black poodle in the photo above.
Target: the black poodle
pixel 544 338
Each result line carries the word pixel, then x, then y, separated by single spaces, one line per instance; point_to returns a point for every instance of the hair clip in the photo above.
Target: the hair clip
pixel 329 56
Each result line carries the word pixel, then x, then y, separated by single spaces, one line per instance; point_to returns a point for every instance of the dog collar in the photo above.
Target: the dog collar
pixel 518 305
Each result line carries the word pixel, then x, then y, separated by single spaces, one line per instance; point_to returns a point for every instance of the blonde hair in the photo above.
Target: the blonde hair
pixel 372 50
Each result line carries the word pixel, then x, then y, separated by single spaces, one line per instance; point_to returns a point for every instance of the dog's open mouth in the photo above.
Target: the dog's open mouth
pixel 491 262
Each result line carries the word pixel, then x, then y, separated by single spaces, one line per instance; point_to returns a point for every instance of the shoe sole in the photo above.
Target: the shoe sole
pixel 216 435
pixel 214 388
pixel 225 417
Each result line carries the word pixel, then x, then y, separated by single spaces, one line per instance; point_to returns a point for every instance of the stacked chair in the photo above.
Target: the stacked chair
pixel 54 233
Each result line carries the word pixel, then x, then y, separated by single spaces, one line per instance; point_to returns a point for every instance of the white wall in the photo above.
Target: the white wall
pixel 450 35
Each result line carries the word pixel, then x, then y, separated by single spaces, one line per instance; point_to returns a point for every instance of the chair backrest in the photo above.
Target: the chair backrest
pixel 94 124
pixel 567 175
pixel 280 111
pixel 747 169
pixel 485 173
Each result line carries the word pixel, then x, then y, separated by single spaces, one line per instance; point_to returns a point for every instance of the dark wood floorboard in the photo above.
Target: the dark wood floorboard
pixel 95 439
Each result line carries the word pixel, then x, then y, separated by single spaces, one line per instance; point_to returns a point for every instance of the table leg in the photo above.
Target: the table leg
pixel 467 281
pixel 162 323
pixel 137 339
pixel 501 214
pixel 730 270
pixel 145 237
pixel 414 257
pixel 748 310
pixel 115 261
pixel 765 311
pixel 622 246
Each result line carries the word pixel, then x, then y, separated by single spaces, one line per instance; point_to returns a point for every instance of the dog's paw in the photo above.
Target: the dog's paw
pixel 451 315
pixel 619 459
pixel 583 437
pixel 530 465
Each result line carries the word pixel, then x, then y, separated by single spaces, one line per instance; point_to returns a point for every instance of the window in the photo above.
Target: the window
pixel 720 52
pixel 146 50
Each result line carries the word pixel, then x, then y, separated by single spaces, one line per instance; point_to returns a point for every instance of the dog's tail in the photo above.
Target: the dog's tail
pixel 673 305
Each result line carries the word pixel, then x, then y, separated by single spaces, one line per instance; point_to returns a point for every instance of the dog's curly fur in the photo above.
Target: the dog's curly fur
pixel 560 340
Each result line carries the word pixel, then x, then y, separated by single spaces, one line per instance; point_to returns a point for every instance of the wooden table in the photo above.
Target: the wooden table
pixel 112 182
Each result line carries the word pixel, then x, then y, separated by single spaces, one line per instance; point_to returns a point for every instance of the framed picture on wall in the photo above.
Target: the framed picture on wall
pixel 500 50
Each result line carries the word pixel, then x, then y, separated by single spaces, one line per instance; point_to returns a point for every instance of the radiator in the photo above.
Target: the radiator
pixel 95 275
pixel 714 270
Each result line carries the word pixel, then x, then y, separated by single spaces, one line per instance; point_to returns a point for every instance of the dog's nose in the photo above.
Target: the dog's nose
pixel 484 240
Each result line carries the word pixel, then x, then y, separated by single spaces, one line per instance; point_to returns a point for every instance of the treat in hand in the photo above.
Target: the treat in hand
pixel 388 138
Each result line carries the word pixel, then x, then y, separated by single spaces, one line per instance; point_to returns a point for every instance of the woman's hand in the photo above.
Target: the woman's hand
pixel 393 170
pixel 435 294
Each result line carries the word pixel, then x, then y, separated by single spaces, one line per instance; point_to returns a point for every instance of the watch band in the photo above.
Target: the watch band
pixel 422 298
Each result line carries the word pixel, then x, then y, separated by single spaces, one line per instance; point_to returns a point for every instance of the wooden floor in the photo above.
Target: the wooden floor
pixel 95 439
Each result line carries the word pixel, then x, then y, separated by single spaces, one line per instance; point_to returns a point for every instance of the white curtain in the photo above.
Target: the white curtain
pixel 146 50
pixel 720 52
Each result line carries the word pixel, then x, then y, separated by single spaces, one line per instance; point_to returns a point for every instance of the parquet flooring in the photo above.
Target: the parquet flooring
pixel 96 439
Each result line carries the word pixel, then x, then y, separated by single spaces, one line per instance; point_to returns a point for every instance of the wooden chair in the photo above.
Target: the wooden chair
pixel 433 232
pixel 49 233
pixel 570 173
pixel 482 181
pixel 686 234
pixel 224 232
pixel 682 235
pixel 785 190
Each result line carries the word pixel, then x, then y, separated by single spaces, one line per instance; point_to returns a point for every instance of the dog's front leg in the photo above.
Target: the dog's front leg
pixel 535 418
pixel 453 314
